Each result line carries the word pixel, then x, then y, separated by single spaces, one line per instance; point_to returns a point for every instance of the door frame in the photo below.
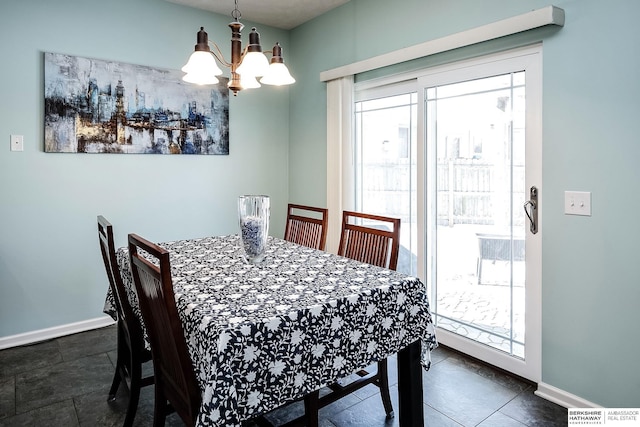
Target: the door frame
pixel 529 59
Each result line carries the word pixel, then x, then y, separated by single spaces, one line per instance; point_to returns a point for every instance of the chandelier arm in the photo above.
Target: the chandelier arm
pixel 219 56
pixel 244 53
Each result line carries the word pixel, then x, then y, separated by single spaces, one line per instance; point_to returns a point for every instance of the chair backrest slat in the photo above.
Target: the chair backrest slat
pixel 173 369
pixel 376 243
pixel 306 230
pixel 120 297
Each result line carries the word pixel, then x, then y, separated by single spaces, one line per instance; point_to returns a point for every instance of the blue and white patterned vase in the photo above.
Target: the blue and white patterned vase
pixel 253 218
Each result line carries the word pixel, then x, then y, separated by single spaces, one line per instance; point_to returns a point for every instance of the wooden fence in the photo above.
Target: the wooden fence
pixel 466 191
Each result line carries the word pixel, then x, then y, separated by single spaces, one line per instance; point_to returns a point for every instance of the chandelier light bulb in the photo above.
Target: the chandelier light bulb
pixel 253 64
pixel 249 82
pixel 278 73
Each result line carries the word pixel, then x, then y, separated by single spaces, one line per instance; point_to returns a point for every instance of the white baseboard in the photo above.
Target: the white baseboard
pixel 55 332
pixel 562 397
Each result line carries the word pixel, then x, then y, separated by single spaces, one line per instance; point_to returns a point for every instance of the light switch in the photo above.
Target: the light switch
pixel 17 143
pixel 577 203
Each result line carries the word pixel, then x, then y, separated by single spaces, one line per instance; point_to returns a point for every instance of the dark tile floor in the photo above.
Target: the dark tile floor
pixel 64 382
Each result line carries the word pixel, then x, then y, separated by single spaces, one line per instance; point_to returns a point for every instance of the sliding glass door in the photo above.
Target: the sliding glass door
pixel 454 153
pixel 481 158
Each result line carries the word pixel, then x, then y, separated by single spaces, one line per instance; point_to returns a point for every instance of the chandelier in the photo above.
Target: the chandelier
pixel 246 65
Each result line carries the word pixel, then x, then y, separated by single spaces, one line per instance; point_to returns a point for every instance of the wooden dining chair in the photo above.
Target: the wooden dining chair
pixel 131 352
pixel 304 228
pixel 375 240
pixel 175 379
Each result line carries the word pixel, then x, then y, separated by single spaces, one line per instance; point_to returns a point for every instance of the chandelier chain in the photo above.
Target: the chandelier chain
pixel 235 14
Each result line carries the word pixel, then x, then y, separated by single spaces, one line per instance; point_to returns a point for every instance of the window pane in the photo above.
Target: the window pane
pixel 477 220
pixel 518 78
pixel 385 166
pixel 471 86
pixel 381 103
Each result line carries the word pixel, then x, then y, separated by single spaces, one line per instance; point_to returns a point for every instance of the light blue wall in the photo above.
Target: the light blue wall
pixel 50 271
pixel 591 272
pixel 50 268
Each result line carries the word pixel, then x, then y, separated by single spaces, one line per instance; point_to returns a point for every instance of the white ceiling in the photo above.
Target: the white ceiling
pixel 285 14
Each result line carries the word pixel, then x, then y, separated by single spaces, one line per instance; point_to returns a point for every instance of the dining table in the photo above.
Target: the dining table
pixel 266 334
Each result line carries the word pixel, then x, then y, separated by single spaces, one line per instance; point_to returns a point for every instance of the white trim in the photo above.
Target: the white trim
pixel 563 398
pixel 488 354
pixel 54 332
pixel 549 15
pixel 411 77
pixel 339 156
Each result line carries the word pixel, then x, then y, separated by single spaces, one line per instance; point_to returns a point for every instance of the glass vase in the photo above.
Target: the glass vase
pixel 253 218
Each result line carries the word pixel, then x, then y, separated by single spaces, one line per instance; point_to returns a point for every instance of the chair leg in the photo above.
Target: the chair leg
pixel 117 376
pixel 383 379
pixel 134 392
pixel 311 407
pixel 115 384
pixel 159 408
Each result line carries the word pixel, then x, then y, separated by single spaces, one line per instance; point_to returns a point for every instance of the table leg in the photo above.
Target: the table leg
pixel 411 409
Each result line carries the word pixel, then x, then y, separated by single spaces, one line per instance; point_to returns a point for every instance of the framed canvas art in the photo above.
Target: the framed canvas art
pixel 97 106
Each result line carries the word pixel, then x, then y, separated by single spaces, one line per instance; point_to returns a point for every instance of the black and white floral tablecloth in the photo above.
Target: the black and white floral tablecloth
pixel 263 335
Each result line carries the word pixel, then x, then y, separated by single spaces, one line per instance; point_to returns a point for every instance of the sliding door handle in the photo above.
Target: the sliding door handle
pixel 531 209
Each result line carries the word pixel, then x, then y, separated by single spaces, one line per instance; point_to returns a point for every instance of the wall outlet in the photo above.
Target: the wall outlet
pixel 577 203
pixel 17 143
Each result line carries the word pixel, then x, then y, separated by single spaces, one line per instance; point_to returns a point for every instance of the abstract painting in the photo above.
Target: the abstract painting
pixel 97 106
